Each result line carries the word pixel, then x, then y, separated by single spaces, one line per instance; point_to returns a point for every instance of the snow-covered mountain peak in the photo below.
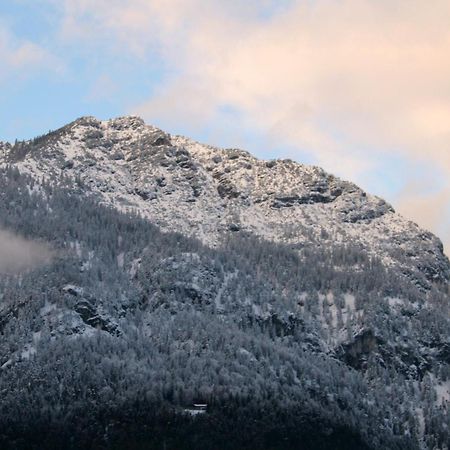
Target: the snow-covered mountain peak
pixel 118 123
pixel 207 192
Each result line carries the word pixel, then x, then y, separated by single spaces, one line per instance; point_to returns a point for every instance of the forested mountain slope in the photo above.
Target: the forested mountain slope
pixel 305 312
pixel 203 191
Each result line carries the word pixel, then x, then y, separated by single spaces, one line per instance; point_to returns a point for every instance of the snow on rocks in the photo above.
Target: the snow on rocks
pixel 206 192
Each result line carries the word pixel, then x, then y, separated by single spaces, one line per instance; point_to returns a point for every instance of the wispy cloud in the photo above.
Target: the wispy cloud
pixel 21 57
pixel 429 200
pixel 18 254
pixel 102 89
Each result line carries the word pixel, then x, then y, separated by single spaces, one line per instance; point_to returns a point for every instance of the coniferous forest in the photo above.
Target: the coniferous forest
pixel 110 343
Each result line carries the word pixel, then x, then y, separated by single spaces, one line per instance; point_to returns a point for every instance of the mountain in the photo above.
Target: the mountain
pixel 203 191
pixel 305 312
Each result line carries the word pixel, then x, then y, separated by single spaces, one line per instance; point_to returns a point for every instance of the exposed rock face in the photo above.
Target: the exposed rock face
pixel 4 148
pixel 204 191
pixel 356 352
pixel 85 307
pixel 89 315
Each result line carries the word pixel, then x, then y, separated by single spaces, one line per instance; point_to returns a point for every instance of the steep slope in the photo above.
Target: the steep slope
pixel 293 303
pixel 203 191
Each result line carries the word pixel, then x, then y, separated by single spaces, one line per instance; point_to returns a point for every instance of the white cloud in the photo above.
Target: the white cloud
pixel 21 57
pixel 18 254
pixel 103 88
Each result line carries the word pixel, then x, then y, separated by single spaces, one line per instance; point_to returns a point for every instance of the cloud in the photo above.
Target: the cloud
pixel 352 82
pixel 18 254
pixel 103 88
pixel 20 57
pixel 433 204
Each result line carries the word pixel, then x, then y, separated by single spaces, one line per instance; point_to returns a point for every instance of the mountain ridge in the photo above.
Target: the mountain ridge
pixel 293 303
pixel 203 191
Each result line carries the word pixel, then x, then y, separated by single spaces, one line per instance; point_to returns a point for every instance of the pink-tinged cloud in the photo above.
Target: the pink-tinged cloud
pixel 102 88
pixel 22 57
pixel 332 77
pixel 433 207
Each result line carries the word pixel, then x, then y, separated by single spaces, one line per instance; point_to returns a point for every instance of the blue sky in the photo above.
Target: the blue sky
pixel 73 81
pixel 356 86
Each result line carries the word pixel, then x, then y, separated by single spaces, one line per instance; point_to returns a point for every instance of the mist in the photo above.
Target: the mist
pixel 18 254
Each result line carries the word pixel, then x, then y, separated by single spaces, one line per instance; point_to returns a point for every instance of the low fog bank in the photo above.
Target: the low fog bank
pixel 18 254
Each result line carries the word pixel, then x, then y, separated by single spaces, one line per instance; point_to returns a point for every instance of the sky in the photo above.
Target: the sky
pixel 359 87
